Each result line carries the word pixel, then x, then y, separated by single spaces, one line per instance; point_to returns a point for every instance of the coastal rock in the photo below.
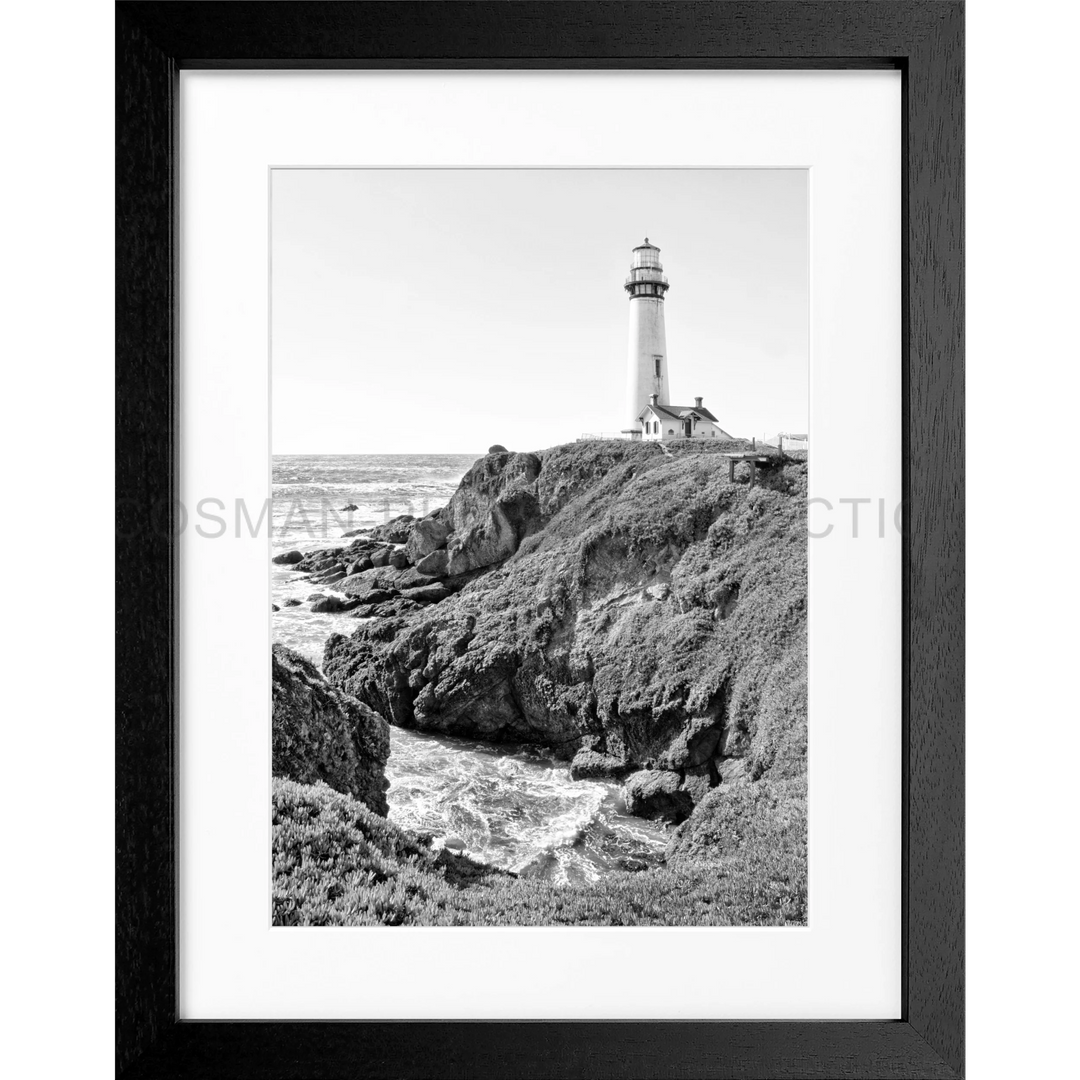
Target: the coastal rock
pixel 493 510
pixel 657 793
pixel 398 559
pixel 315 562
pixel 397 605
pixel 734 742
pixel 334 604
pixel 566 643
pixel 288 557
pixel 274 607
pixel 591 765
pixel 413 578
pixel 435 564
pixel 358 584
pixel 330 573
pixel 347 509
pixel 394 531
pixel 367 593
pixel 498 448
pixel 699 780
pixel 427 536
pixel 361 578
pixel 322 734
pixel 292 602
pixel 381 557
pixel 430 593
pixel 359 566
pixel 694 746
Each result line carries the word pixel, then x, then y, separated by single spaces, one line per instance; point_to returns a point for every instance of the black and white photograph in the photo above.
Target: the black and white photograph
pixel 538 567
pixel 517 633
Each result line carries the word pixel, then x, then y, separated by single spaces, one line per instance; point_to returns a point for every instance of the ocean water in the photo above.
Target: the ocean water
pixel 513 807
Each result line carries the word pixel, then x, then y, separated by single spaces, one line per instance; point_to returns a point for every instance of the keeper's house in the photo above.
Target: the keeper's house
pixel 658 423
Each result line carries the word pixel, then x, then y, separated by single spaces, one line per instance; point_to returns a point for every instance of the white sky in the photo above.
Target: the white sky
pixel 440 311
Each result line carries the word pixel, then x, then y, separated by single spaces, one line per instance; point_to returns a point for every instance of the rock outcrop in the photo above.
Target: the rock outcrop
pixel 322 734
pixel 333 604
pixel 493 510
pixel 394 531
pixel 588 764
pixel 605 599
pixel 428 536
pixel 658 793
pixel 435 564
pixel 495 507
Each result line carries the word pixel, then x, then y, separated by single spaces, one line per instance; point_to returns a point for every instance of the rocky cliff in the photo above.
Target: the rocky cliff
pixel 321 734
pixel 630 607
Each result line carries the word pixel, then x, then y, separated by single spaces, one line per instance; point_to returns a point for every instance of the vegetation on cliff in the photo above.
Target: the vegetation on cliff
pixel 338 864
pixel 321 734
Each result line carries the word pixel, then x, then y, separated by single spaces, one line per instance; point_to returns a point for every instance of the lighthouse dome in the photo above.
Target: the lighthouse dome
pixel 646 257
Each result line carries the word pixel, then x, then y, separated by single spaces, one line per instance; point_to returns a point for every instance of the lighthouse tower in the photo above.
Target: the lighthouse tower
pixel 646 358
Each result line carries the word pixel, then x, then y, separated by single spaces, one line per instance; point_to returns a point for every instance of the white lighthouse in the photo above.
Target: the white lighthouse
pixel 649 413
pixel 646 360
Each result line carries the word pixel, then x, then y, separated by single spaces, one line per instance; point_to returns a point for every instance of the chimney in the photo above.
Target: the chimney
pixel 697 403
pixel 653 398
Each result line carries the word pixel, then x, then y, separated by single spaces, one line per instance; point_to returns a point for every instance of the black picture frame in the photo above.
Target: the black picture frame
pixel 924 40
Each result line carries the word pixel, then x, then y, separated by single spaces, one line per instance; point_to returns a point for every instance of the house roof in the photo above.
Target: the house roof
pixel 679 412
